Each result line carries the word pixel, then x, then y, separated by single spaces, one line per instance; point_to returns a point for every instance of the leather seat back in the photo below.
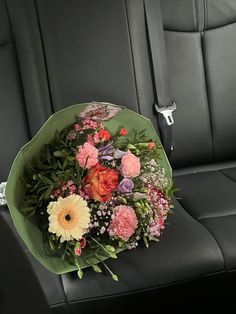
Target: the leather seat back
pixel 201 46
pixel 82 50
pixel 13 122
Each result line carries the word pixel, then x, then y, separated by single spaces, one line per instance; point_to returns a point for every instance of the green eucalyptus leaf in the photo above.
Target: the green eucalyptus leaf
pixel 44 179
pixel 65 162
pixel 146 242
pixel 61 154
pixel 110 248
pixel 48 192
pixel 54 177
pixel 70 158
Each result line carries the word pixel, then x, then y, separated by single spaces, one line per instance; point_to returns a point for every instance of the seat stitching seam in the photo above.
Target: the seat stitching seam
pixel 205 14
pixel 200 171
pixel 231 24
pixel 66 300
pixel 227 176
pixel 220 247
pixel 13 42
pixel 44 55
pixel 199 221
pixel 208 98
pixel 196 15
pixel 132 55
pixel 177 282
pixel 216 217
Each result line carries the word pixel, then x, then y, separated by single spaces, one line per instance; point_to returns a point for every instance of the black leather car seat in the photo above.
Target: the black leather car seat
pixel 17 278
pixel 13 124
pixel 201 45
pixel 86 50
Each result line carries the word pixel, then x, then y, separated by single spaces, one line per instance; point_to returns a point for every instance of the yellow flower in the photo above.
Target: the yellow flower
pixel 68 217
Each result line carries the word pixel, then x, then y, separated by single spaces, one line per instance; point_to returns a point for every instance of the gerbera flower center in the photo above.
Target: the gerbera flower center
pixel 67 217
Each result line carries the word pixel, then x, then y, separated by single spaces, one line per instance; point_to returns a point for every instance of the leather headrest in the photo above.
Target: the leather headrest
pixel 197 15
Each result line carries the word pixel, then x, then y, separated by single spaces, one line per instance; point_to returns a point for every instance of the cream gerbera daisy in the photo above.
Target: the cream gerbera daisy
pixel 68 217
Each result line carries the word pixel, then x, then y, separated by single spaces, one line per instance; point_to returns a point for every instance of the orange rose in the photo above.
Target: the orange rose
pixel 100 182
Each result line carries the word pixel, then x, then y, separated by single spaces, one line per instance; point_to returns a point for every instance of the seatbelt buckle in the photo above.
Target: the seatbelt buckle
pixel 167 112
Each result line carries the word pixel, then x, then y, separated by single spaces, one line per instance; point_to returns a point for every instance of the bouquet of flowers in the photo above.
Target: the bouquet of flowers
pixel 92 189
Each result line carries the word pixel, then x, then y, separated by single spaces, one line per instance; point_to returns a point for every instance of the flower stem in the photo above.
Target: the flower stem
pixel 114 276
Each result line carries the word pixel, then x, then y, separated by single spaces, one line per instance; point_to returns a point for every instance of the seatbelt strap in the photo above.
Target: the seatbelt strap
pixel 164 106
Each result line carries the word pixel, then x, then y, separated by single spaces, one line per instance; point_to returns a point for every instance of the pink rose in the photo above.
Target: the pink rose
pixel 87 156
pixel 130 166
pixel 123 223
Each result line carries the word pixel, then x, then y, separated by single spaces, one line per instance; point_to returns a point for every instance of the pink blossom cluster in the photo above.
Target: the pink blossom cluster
pixel 78 129
pixel 87 124
pixel 68 186
pixel 157 199
pixel 154 229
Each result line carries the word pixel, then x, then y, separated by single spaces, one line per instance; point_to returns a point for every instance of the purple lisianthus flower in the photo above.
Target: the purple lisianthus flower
pixel 125 186
pixel 106 152
pixel 118 154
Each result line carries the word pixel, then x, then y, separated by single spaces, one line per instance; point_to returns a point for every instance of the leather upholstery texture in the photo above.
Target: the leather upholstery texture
pixel 19 288
pixel 68 51
pixel 108 63
pixel 197 15
pixel 186 251
pixel 202 78
pixel 13 123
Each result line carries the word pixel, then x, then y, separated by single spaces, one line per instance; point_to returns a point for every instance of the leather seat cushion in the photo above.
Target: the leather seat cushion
pixel 210 197
pixel 186 251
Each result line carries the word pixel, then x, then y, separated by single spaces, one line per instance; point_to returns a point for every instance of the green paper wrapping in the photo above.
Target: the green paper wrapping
pixel 15 190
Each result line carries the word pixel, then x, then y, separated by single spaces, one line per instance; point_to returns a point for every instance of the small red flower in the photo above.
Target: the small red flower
pixel 104 135
pixel 82 243
pixel 151 145
pixel 79 246
pixel 123 132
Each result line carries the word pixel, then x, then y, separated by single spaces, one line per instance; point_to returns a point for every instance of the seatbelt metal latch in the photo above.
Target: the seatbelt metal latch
pixel 167 112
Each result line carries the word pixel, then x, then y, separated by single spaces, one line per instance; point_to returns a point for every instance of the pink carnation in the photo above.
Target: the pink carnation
pixel 124 222
pixel 130 166
pixel 87 156
pixel 90 139
pixel 96 138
